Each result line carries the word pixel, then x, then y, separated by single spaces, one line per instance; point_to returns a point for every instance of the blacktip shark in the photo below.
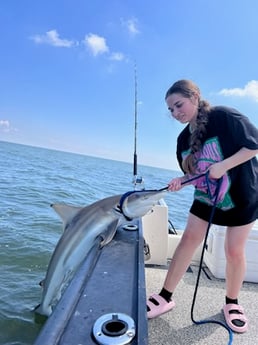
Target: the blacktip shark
pixel 82 226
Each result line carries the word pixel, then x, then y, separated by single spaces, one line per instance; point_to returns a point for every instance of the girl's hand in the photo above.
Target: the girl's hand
pixel 175 184
pixel 217 170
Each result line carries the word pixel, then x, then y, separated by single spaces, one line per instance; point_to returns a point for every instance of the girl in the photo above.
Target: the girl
pixel 223 142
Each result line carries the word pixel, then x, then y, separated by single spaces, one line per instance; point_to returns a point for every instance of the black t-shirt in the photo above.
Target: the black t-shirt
pixel 227 132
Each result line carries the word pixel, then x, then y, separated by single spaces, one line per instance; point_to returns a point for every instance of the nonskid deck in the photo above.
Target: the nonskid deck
pixel 176 326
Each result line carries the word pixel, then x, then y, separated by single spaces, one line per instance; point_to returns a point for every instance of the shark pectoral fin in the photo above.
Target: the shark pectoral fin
pixel 109 233
pixel 66 212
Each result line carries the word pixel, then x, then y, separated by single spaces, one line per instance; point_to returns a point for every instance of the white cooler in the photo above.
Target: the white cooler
pixel 214 255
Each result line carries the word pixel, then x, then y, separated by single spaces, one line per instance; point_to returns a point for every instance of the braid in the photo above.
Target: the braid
pixel 189 163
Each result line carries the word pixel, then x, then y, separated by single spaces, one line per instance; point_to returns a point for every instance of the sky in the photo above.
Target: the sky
pixel 72 71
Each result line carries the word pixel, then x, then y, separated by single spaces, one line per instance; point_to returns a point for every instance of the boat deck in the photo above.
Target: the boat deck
pixel 176 326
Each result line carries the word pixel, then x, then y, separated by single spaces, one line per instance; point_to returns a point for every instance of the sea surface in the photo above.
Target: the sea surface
pixel 31 179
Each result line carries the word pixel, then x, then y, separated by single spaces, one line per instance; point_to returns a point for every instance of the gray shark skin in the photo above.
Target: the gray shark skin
pixel 82 226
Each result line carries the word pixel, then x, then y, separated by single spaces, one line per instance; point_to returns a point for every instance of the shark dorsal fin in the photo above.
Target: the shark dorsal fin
pixel 66 212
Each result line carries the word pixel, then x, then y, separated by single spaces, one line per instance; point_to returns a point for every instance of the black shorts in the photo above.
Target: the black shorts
pixel 234 217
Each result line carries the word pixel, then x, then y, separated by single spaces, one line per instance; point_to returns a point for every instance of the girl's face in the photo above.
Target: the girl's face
pixel 182 108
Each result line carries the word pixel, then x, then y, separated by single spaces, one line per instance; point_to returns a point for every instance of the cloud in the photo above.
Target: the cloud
pixel 117 56
pixel 6 127
pixel 250 90
pixel 131 25
pixel 96 44
pixel 52 38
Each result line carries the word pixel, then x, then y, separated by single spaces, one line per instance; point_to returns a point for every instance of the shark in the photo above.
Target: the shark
pixel 81 227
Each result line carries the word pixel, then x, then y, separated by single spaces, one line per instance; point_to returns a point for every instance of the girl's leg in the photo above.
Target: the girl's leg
pixel 235 242
pixel 191 238
pixel 193 235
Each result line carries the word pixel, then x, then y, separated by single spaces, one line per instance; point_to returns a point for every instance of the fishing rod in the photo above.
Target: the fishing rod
pixel 137 180
pixel 135 123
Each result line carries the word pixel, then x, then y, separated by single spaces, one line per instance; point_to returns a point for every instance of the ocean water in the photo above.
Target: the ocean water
pixel 30 180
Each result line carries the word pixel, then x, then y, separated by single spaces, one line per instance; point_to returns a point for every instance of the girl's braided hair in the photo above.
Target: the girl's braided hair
pixel 187 89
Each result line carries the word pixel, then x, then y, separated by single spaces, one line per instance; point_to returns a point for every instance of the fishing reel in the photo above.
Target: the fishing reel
pixel 138 182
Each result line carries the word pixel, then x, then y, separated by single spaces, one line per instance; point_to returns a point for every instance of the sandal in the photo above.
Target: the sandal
pixel 158 306
pixel 235 318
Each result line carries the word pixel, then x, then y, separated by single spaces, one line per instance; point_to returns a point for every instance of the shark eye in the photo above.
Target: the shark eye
pixel 117 208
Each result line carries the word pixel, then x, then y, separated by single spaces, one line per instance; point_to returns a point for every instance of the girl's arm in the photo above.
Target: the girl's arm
pixel 217 170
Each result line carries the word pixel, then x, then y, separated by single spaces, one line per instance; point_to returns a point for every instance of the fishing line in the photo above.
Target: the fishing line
pixel 201 261
pixel 215 196
pixel 212 196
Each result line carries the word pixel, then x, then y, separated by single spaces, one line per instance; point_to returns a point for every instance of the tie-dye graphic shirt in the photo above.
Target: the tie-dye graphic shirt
pixel 227 132
pixel 205 188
